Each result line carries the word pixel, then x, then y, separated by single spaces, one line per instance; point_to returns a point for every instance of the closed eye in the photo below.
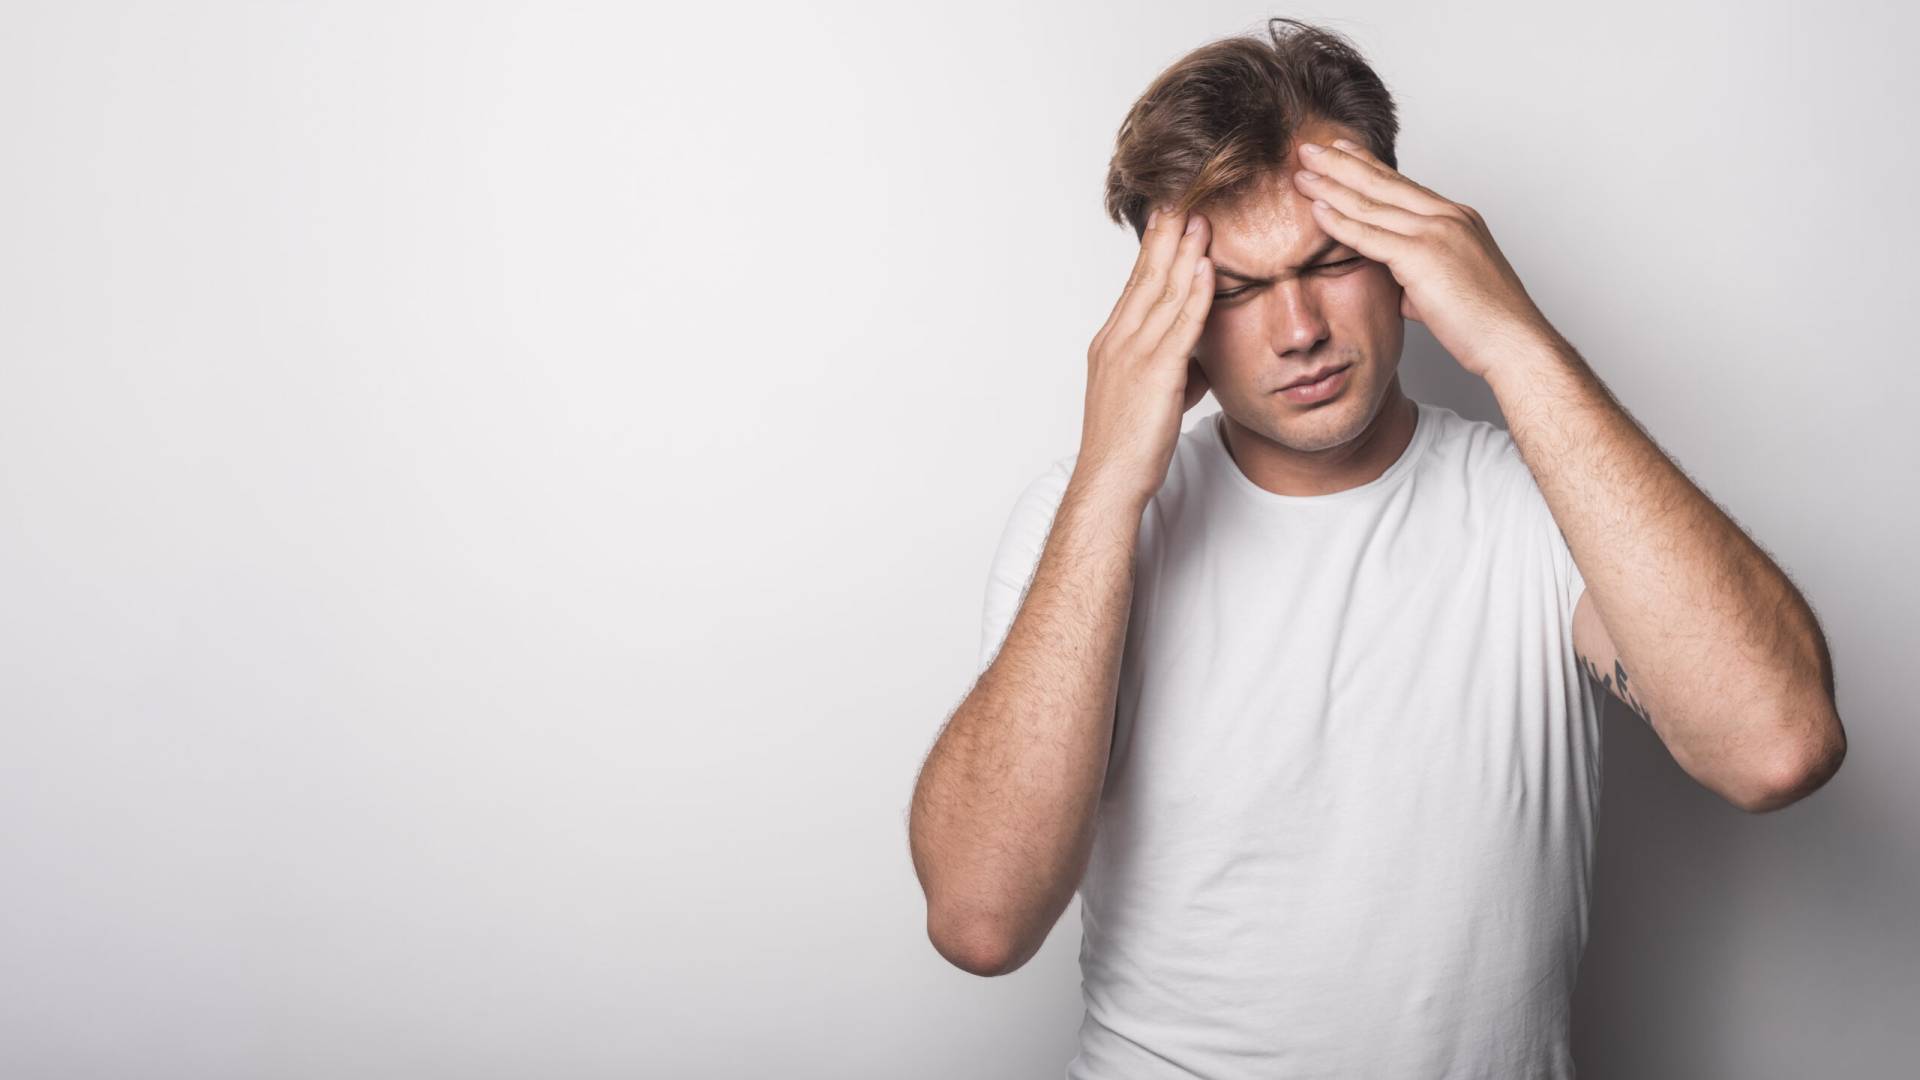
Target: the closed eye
pixel 1342 264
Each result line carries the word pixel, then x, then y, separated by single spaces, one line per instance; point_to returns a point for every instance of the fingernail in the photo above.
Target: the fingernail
pixel 1345 144
pixel 1153 215
pixel 1310 148
pixel 1192 224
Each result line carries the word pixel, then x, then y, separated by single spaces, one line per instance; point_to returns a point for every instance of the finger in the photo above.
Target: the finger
pixel 1362 152
pixel 1152 273
pixel 1359 205
pixel 1374 180
pixel 1139 270
pixel 1134 274
pixel 1139 259
pixel 1185 323
pixel 1376 243
pixel 1180 282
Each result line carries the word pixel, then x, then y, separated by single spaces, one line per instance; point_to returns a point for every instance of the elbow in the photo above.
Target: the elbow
pixel 1793 775
pixel 973 947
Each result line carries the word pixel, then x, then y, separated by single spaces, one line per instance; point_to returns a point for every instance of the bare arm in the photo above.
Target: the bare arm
pixel 1003 814
pixel 1728 663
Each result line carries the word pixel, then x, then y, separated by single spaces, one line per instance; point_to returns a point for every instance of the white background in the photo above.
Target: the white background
pixel 496 503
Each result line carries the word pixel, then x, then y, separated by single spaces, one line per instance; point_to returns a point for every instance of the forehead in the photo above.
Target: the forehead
pixel 1271 225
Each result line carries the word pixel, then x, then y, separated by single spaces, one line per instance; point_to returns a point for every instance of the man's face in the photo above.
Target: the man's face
pixel 1319 306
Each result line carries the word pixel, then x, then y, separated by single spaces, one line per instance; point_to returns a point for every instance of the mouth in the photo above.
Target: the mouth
pixel 1316 387
pixel 1317 376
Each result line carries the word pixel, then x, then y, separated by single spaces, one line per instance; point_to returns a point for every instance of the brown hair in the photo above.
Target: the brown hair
pixel 1223 116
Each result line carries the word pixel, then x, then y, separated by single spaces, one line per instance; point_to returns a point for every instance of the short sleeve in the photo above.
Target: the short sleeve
pixel 1568 583
pixel 1566 572
pixel 1536 521
pixel 1021 541
pixel 1576 582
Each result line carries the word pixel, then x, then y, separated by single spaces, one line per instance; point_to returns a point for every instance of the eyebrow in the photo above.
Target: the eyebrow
pixel 1222 270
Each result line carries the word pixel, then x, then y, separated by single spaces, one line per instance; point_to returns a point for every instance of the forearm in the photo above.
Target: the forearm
pixel 1003 813
pixel 1727 658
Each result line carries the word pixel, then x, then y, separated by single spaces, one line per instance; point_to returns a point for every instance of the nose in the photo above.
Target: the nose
pixel 1296 326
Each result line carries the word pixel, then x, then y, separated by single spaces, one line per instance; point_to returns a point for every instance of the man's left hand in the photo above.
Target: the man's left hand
pixel 1453 276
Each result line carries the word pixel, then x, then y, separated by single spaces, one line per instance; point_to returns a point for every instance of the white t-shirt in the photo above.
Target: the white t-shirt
pixel 1348 820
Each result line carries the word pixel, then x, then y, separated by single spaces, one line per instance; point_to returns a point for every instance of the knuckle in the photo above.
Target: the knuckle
pixel 1462 217
pixel 1169 294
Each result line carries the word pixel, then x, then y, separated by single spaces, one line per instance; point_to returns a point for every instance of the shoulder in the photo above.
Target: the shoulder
pixel 1022 538
pixel 1480 442
pixel 1477 455
pixel 1029 519
pixel 1042 492
pixel 1523 507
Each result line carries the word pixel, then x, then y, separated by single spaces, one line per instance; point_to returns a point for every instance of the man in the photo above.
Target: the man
pixel 1299 700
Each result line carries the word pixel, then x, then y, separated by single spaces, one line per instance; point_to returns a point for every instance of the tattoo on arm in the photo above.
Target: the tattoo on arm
pixel 1616 684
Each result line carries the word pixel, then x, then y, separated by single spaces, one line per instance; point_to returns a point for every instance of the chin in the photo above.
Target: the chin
pixel 1322 426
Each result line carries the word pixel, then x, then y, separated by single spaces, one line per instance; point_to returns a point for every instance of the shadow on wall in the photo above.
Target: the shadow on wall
pixel 1727 944
pixel 1722 943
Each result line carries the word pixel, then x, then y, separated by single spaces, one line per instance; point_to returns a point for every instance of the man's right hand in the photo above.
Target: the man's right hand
pixel 1004 811
pixel 1141 378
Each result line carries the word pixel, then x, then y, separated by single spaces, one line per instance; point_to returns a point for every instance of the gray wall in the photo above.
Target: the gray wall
pixel 497 498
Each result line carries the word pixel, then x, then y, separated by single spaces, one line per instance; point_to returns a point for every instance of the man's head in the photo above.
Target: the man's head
pixel 1218 132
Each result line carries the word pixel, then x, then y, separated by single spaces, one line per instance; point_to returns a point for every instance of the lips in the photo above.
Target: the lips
pixel 1317 376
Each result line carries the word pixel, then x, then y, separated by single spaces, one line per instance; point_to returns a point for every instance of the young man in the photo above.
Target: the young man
pixel 1295 699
